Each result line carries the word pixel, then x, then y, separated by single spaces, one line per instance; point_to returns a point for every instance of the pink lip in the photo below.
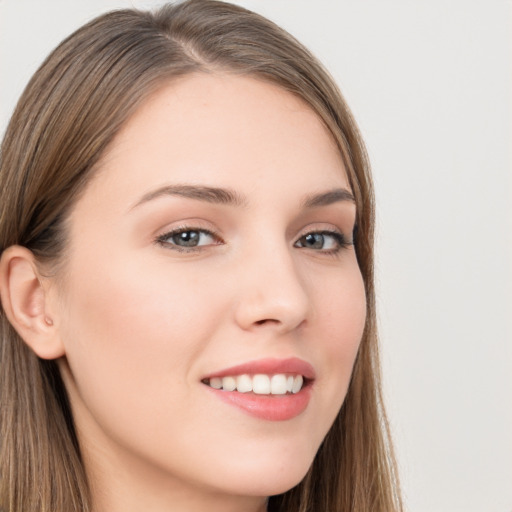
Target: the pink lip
pixel 270 367
pixel 268 407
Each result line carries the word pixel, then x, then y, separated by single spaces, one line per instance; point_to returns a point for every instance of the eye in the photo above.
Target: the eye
pixel 327 241
pixel 188 238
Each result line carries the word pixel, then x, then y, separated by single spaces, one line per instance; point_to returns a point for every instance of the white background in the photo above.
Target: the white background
pixel 430 83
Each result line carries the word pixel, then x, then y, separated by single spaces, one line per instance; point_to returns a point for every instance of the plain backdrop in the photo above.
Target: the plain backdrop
pixel 430 83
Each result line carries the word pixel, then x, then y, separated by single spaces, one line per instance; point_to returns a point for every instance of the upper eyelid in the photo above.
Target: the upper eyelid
pixel 328 230
pixel 184 229
pixel 321 230
pixel 193 225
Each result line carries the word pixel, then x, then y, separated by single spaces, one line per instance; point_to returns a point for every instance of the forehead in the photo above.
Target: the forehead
pixel 223 130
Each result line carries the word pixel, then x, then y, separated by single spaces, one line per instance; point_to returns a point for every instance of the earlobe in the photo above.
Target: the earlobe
pixel 25 302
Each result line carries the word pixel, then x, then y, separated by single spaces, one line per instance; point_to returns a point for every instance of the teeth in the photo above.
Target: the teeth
pixel 244 384
pixel 297 384
pixel 278 384
pixel 260 384
pixel 229 383
pixel 216 383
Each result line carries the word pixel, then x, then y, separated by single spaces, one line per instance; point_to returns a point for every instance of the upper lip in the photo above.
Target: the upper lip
pixel 269 366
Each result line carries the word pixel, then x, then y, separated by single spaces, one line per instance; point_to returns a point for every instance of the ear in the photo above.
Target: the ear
pixel 26 304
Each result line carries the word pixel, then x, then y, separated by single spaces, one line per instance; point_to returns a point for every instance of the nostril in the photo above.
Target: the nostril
pixel 266 320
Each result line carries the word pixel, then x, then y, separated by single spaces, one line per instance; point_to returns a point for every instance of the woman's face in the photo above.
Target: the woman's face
pixel 213 244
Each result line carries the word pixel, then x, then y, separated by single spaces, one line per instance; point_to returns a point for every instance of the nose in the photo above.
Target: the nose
pixel 271 293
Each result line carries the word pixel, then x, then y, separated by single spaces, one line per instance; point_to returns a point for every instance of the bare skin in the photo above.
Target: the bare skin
pixel 167 283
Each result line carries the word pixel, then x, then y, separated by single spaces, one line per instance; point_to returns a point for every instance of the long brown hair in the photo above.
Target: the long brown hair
pixel 67 116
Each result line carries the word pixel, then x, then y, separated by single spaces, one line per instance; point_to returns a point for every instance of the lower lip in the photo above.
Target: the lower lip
pixel 267 407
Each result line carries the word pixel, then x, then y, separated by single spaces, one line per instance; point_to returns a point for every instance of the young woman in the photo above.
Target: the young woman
pixel 186 277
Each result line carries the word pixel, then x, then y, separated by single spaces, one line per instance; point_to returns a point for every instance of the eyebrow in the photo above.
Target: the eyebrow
pixel 326 198
pixel 213 195
pixel 226 196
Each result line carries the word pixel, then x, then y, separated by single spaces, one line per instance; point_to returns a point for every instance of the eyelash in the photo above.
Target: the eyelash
pixel 340 240
pixel 163 240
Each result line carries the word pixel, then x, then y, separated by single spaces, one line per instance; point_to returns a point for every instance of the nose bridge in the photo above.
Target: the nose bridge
pixel 271 290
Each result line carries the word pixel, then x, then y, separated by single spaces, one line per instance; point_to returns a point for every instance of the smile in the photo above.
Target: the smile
pixel 268 389
pixel 259 384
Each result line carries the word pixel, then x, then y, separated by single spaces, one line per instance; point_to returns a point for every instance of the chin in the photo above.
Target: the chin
pixel 269 485
pixel 277 476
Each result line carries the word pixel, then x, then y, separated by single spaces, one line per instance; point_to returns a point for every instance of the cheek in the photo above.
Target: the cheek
pixel 340 306
pixel 131 305
pixel 131 331
pixel 342 315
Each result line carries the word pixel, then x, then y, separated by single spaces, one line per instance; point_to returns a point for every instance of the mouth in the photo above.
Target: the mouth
pixel 259 384
pixel 269 389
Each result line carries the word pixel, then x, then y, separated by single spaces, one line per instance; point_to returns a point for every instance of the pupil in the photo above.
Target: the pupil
pixel 187 238
pixel 315 240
